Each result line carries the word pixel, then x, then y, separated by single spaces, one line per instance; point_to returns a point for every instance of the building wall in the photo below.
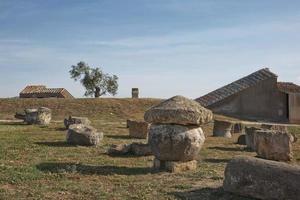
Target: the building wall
pixel 261 102
pixel 294 107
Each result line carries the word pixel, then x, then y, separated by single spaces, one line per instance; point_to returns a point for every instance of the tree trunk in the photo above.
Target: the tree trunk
pixel 97 92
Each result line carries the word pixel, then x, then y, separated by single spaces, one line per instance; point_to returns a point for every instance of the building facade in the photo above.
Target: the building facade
pixel 41 91
pixel 257 96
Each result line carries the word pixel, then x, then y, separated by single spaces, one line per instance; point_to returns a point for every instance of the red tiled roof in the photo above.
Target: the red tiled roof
pixel 288 87
pixel 42 91
pixel 235 87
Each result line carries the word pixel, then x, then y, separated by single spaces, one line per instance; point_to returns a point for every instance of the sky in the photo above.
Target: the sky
pixel 165 48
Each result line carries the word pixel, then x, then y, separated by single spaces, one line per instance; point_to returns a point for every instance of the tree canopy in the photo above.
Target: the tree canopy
pixel 96 82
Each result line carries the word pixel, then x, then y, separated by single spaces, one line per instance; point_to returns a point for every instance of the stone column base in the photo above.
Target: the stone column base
pixel 174 166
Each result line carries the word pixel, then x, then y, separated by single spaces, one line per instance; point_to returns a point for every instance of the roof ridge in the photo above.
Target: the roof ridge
pixel 236 86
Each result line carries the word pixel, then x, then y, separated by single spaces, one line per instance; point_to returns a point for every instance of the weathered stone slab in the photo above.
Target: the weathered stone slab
pixel 40 116
pixel 80 134
pixel 222 128
pixel 174 167
pixel 76 120
pixel 262 179
pixel 138 129
pixel 175 142
pixel 178 110
pixel 274 145
pixel 250 137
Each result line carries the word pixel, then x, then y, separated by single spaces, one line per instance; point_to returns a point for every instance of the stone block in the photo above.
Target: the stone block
pixel 262 179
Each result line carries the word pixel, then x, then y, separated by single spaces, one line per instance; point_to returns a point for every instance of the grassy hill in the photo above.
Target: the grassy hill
pixel 101 108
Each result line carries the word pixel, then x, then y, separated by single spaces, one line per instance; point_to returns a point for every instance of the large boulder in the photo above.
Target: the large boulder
pixel 222 128
pixel 138 129
pixel 76 120
pixel 178 110
pixel 262 179
pixel 80 134
pixel 40 116
pixel 175 142
pixel 274 145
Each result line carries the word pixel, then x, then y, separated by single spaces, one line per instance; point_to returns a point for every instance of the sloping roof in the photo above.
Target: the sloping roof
pixel 42 91
pixel 236 87
pixel 288 87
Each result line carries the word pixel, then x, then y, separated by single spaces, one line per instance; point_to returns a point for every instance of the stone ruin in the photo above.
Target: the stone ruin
pixel 262 179
pixel 40 116
pixel 135 93
pixel 76 120
pixel 270 144
pixel 138 129
pixel 222 128
pixel 84 135
pixel 175 135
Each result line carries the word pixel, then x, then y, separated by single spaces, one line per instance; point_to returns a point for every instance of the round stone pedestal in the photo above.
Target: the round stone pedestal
pixel 222 129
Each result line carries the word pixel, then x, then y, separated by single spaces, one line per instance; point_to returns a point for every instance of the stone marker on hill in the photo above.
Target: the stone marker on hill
pixel 262 179
pixel 175 135
pixel 80 134
pixel 40 116
pixel 76 120
pixel 274 145
pixel 222 128
pixel 138 129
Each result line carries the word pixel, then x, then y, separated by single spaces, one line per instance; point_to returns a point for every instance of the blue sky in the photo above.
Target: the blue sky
pixel 164 47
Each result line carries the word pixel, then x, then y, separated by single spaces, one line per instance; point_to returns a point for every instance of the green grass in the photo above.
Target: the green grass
pixel 36 163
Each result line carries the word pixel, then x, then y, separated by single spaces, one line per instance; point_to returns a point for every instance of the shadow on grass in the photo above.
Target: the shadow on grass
pixel 14 123
pixel 55 144
pixel 122 127
pixel 227 148
pixel 60 129
pixel 127 137
pixel 216 160
pixel 208 194
pixel 91 169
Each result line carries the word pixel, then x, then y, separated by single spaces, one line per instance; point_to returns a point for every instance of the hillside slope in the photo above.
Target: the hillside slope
pixel 102 108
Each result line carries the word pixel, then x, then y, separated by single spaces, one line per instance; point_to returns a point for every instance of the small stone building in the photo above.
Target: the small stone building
pixel 40 91
pixel 257 96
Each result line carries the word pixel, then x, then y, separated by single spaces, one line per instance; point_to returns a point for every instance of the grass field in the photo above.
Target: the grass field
pixel 36 163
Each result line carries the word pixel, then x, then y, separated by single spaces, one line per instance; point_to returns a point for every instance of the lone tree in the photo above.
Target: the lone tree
pixel 95 81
